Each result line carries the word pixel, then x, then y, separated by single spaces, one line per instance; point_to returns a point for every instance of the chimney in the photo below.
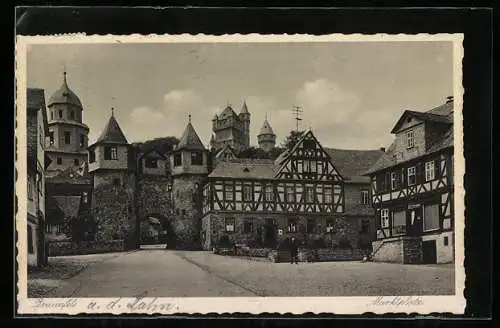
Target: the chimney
pixel 449 99
pixel 382 149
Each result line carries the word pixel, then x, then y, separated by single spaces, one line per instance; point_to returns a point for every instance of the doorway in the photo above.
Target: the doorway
pixel 269 233
pixel 429 255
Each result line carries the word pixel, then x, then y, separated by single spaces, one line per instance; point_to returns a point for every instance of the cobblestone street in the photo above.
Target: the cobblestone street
pixel 164 273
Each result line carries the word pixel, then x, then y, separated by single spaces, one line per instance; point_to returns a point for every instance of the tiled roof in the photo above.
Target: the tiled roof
pixel 35 98
pixel 350 163
pixel 65 96
pixel 112 133
pixel 190 139
pixel 353 163
pixel 70 176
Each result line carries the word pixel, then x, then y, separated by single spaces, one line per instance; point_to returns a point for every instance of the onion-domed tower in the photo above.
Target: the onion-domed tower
pixel 67 133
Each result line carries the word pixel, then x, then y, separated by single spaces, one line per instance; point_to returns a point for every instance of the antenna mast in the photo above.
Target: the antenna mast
pixel 297 112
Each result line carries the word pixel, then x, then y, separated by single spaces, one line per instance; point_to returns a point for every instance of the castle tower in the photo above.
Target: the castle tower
pixel 67 133
pixel 245 118
pixel 232 129
pixel 266 137
pixel 112 165
pixel 189 163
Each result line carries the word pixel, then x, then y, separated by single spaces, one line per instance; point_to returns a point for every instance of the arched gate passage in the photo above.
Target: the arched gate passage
pixel 156 229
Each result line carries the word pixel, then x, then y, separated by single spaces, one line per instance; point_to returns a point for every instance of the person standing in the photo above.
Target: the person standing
pixel 294 250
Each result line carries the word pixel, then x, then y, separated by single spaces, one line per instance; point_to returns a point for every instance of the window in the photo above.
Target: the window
pixel 151 163
pixel 445 241
pixel 51 115
pixel 183 211
pixel 328 194
pixel 76 162
pixel 59 161
pixel 269 193
pixel 431 217
pixel 247 193
pixel 196 158
pixel 311 225
pixel 337 189
pixel 394 181
pixel 116 182
pixel 72 114
pixel 429 171
pixel 82 141
pixel 412 179
pixel 248 226
pixel 228 192
pixel 365 226
pixel 85 197
pixel 309 195
pixel 30 189
pixel 110 153
pixel 60 113
pixel 410 139
pixel 398 223
pixel 309 144
pixel 290 194
pixel 384 218
pixel 30 240
pixel 178 159
pixel 292 225
pixel 51 137
pixel 229 224
pixel 364 197
pixel 67 137
pixel 92 156
pixel 330 225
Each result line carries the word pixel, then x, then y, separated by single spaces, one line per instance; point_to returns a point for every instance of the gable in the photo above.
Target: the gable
pixel 308 160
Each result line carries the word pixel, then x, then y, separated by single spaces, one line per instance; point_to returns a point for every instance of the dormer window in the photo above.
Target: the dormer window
pixel 178 159
pixel 110 153
pixel 410 139
pixel 196 158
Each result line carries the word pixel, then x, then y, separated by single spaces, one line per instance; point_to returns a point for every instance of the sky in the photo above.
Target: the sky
pixel 351 93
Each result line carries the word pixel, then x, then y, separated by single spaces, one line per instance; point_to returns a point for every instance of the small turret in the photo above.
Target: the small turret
pixel 266 137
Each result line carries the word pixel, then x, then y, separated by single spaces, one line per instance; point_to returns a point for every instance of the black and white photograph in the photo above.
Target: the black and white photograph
pixel 197 168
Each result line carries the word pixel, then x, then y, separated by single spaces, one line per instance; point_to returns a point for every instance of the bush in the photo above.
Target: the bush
pixel 62 248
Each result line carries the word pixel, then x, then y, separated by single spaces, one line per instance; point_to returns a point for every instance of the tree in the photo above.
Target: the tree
pixel 162 145
pixel 292 139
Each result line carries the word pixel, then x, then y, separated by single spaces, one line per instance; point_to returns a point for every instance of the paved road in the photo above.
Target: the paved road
pixel 165 273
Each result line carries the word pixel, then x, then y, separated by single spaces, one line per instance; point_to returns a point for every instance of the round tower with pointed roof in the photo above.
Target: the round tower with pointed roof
pixel 266 137
pixel 189 167
pixel 67 133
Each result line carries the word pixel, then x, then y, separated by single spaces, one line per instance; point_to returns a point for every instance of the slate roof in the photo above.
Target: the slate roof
pixel 228 111
pixel 350 163
pixel 422 116
pixel 266 128
pixel 70 176
pixel 112 133
pixel 190 139
pixel 64 95
pixel 244 109
pixel 445 112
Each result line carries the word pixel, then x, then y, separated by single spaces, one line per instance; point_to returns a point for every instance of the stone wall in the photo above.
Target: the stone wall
pixel 412 250
pixel 345 228
pixel 388 250
pixel 153 197
pixel 114 210
pixel 186 193
pixel 65 248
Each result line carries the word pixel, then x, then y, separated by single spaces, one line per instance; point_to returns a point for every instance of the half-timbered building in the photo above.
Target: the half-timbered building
pixel 313 193
pixel 412 190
